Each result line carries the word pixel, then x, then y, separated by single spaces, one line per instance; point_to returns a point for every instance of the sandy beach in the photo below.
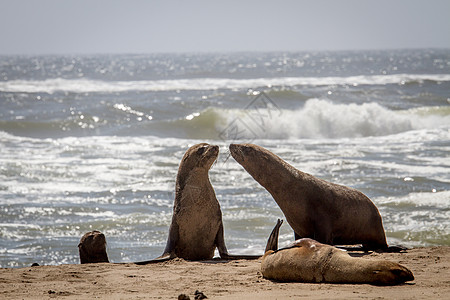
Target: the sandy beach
pixel 217 280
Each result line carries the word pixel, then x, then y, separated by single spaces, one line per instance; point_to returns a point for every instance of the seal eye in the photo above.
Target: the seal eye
pixel 201 150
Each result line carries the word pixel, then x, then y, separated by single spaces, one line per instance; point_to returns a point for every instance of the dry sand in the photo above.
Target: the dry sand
pixel 217 280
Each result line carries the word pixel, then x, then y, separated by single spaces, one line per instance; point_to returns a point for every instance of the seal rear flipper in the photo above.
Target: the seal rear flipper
pixel 223 252
pixel 172 239
pixel 398 248
pixel 162 258
pixel 393 249
pixel 169 251
pixel 272 242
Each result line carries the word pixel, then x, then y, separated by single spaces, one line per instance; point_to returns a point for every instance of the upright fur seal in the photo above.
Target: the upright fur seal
pixel 92 248
pixel 197 228
pixel 307 260
pixel 315 208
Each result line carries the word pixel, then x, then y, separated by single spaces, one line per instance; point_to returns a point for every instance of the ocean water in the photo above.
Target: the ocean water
pixel 94 142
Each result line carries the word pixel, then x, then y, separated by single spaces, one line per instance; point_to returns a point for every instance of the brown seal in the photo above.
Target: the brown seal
pixel 315 208
pixel 196 229
pixel 92 248
pixel 307 260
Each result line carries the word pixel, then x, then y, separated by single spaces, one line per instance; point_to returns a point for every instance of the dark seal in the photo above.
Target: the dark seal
pixel 92 248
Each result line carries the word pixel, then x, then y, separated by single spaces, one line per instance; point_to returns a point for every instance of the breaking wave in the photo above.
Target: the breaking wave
pixel 316 119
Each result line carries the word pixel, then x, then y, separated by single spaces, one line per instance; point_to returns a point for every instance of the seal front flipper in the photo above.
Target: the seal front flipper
pixel 172 240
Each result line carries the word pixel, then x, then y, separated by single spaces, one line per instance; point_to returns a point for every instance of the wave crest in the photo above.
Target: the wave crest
pixel 97 86
pixel 323 119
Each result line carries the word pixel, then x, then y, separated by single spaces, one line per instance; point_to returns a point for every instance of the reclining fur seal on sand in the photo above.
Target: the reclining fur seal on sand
pixel 307 260
pixel 315 208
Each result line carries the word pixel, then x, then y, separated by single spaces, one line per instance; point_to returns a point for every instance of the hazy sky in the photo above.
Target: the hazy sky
pixel 137 26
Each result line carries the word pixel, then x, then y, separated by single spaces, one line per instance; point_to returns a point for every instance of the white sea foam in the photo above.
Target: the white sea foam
pixel 320 118
pixel 417 218
pixel 98 86
pixel 422 199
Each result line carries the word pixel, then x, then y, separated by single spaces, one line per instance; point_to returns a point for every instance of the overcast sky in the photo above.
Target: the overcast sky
pixel 138 26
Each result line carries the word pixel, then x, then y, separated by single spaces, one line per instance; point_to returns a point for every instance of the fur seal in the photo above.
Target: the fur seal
pixel 329 213
pixel 92 248
pixel 307 260
pixel 196 229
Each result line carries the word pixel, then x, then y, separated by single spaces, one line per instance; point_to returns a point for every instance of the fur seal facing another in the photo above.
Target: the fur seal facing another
pixel 307 260
pixel 196 229
pixel 92 248
pixel 317 209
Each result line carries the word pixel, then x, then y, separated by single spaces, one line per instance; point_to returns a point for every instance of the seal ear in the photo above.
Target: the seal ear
pixel 272 242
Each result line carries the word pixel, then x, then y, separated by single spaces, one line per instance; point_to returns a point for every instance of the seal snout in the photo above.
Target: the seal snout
pixel 208 155
pixel 237 152
pixel 403 274
pixel 391 273
pixel 212 151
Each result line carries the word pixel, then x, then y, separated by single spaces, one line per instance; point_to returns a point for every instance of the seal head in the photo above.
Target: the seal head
pixel 92 248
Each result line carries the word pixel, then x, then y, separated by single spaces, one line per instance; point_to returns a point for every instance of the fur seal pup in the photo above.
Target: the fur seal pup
pixel 317 209
pixel 307 260
pixel 196 229
pixel 92 248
